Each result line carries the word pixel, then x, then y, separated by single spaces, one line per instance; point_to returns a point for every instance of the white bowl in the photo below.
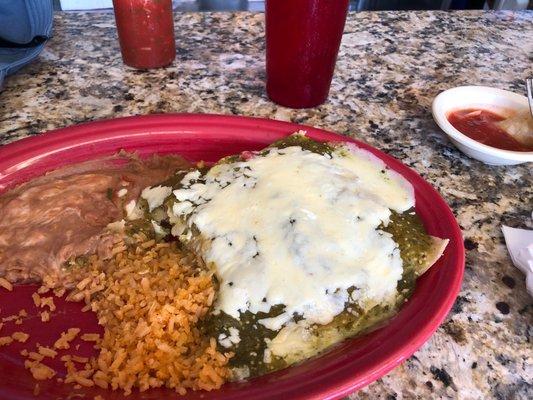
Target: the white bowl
pixel 486 98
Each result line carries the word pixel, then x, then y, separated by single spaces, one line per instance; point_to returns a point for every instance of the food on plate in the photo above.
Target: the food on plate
pixel 309 242
pixel 247 266
pixel 51 220
pixel 149 297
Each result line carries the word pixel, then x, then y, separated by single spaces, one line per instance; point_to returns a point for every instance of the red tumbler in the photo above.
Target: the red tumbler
pixel 145 32
pixel 302 41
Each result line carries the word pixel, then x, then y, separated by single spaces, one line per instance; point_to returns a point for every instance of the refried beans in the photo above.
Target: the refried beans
pixel 63 215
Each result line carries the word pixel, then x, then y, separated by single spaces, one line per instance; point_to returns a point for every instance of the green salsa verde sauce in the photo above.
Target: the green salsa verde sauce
pixel 407 231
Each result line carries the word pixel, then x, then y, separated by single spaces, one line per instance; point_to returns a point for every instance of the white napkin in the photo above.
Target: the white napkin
pixel 520 245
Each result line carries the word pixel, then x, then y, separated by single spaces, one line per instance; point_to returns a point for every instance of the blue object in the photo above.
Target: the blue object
pixel 25 26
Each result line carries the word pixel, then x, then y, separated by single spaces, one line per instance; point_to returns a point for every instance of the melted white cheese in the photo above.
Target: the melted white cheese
pixel 229 339
pixel 296 228
pixel 133 210
pixel 155 196
pixel 158 229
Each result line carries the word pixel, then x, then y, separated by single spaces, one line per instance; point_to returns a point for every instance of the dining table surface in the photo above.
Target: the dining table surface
pixel 390 67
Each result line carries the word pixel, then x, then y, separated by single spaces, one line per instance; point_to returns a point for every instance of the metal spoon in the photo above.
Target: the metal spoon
pixel 529 86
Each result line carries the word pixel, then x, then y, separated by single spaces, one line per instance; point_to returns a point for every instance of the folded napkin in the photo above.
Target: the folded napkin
pixel 520 245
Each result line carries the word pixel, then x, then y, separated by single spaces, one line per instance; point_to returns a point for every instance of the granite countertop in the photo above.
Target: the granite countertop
pixel 391 65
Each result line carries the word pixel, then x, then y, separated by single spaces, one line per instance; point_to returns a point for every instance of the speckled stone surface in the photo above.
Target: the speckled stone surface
pixel 390 67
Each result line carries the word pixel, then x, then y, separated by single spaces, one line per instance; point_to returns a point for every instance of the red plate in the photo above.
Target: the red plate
pixel 349 366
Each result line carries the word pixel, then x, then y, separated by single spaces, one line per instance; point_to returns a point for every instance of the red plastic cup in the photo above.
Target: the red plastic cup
pixel 302 41
pixel 145 32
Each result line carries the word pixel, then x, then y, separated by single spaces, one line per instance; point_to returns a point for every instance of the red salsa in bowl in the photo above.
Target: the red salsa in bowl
pixel 482 126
